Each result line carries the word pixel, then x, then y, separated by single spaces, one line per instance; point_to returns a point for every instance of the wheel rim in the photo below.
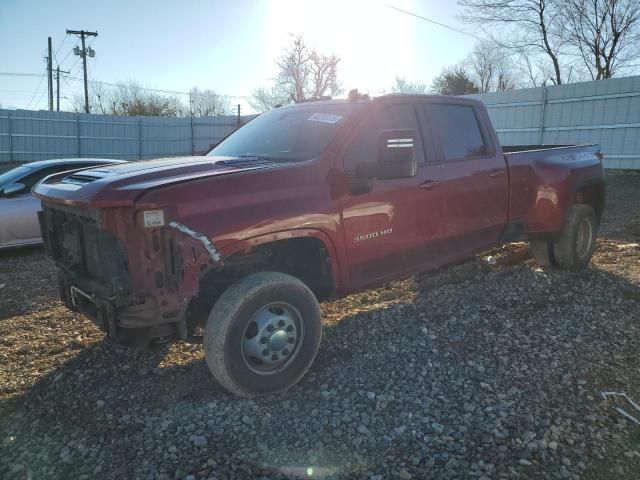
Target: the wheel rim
pixel 272 338
pixel 584 238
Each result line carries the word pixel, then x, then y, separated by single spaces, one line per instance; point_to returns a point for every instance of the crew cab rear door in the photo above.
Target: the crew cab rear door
pixel 388 226
pixel 474 181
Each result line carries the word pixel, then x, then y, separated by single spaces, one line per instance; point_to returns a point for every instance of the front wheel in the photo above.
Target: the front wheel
pixel 262 334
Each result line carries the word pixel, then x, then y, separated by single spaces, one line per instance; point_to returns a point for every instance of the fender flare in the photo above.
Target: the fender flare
pixel 589 182
pixel 337 264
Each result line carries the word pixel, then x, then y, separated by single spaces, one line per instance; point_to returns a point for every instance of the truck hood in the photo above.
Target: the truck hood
pixel 122 184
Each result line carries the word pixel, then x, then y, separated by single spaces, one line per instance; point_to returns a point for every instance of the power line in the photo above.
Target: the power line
pixel 120 84
pixel 35 106
pixel 18 74
pixel 434 22
pixel 74 65
pixel 66 56
pixel 37 90
pixel 65 77
pixel 58 71
pixel 59 47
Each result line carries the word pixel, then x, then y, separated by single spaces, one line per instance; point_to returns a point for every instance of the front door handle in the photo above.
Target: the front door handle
pixel 429 184
pixel 496 173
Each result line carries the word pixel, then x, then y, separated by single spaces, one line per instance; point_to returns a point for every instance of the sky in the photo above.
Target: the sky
pixel 228 46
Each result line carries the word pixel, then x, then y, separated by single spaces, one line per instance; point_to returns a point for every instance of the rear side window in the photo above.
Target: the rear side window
pixel 365 145
pixel 457 128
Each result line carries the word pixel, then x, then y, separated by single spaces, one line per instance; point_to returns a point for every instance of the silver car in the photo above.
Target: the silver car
pixel 18 208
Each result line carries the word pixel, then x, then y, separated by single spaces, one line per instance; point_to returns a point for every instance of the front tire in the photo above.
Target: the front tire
pixel 262 334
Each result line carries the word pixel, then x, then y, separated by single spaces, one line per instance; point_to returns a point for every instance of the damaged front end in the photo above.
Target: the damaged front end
pixel 134 277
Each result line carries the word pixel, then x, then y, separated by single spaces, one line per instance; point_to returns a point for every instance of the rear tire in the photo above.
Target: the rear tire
pixel 262 334
pixel 577 242
pixel 542 252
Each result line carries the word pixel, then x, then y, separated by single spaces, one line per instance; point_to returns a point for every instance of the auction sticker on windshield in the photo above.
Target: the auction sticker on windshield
pixel 325 118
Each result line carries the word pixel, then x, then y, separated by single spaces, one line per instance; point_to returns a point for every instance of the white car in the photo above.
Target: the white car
pixel 18 207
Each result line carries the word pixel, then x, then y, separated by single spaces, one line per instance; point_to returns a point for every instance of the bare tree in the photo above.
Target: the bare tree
pixel 99 99
pixel 207 103
pixel 490 68
pixel 264 99
pixel 402 85
pixel 482 62
pixel 130 98
pixel 454 81
pixel 305 73
pixel 605 34
pixel 530 26
pixel 324 75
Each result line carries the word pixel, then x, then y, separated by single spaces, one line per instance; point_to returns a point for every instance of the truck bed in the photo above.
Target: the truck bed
pixel 544 179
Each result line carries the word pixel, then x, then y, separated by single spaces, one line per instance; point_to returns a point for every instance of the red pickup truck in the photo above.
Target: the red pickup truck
pixel 306 202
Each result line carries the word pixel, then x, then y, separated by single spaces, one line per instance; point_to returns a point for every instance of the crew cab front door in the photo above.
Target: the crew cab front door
pixel 389 226
pixel 474 182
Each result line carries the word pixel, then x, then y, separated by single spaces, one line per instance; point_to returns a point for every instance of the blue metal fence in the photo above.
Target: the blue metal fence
pixel 605 112
pixel 27 135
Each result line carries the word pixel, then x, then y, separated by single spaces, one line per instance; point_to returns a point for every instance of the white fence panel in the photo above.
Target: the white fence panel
pixel 27 135
pixel 605 112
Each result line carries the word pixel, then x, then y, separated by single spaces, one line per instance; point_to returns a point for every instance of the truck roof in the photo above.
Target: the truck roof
pixel 388 98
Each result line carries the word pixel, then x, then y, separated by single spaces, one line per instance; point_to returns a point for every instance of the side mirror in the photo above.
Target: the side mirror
pixel 14 189
pixel 396 156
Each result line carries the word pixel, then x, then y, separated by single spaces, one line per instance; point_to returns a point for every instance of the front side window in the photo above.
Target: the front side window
pixel 458 130
pixel 290 134
pixel 13 175
pixel 31 180
pixel 364 147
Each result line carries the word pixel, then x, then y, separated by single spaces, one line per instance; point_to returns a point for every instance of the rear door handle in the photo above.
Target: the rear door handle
pixel 496 173
pixel 429 184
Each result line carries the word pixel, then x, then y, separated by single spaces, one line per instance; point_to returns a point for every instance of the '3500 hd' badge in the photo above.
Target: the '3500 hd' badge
pixel 370 236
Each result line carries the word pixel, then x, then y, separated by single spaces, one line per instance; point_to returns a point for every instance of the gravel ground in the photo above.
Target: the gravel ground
pixel 474 371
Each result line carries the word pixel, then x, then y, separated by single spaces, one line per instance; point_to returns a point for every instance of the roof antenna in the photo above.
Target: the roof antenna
pixel 355 95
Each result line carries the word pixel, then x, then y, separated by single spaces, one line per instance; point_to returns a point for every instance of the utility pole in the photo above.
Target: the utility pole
pixel 83 54
pixel 58 72
pixel 50 75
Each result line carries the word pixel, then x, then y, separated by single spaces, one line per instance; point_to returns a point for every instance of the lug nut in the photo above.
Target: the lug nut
pixel 290 328
pixel 274 357
pixel 285 352
pixel 270 328
pixel 265 352
pixel 281 323
pixel 263 340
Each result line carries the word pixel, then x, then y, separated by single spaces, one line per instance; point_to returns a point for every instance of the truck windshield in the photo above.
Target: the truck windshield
pixel 291 134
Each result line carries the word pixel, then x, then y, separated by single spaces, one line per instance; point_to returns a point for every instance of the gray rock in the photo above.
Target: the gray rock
pixel 200 441
pixel 404 475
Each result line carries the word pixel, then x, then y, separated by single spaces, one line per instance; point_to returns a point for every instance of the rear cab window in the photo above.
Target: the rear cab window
pixel 458 131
